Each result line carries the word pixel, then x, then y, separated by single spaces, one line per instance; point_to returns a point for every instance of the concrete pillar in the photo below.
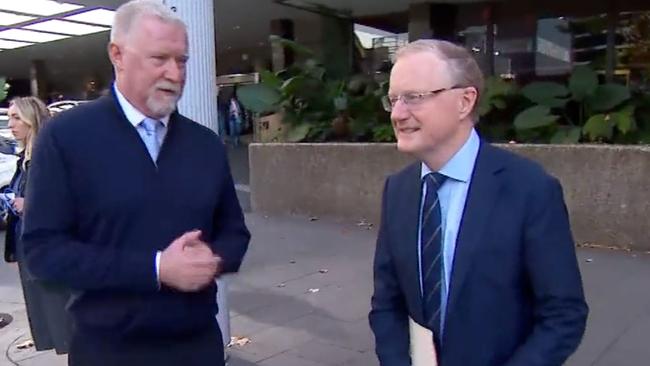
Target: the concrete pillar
pixel 612 20
pixel 338 46
pixel 38 79
pixel 199 100
pixel 427 20
pixel 281 57
pixel 489 18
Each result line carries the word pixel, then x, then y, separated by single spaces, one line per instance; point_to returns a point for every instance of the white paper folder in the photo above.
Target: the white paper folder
pixel 423 351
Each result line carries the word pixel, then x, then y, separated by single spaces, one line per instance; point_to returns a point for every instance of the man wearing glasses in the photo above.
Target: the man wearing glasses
pixel 474 242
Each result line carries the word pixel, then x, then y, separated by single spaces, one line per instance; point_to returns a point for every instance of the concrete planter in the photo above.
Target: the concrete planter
pixel 606 188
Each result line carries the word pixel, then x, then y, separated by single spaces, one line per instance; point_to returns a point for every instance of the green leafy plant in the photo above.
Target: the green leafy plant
pixel 316 107
pixel 582 110
pixel 498 105
pixel 4 88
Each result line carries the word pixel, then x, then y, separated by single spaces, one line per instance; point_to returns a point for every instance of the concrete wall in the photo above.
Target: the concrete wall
pixel 606 188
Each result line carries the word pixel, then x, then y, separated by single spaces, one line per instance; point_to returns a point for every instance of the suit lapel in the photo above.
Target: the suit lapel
pixel 483 193
pixel 409 219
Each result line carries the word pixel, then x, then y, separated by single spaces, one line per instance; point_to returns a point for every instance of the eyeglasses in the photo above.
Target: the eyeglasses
pixel 411 99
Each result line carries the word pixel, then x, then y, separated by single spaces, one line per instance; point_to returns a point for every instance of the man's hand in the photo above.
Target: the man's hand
pixel 201 249
pixel 188 263
pixel 19 205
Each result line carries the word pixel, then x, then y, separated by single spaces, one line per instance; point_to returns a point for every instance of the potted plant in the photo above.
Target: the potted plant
pixel 314 107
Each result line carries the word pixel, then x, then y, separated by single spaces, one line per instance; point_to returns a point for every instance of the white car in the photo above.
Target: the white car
pixel 8 161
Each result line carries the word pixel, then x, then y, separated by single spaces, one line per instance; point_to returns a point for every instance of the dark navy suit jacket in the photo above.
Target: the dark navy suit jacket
pixel 515 295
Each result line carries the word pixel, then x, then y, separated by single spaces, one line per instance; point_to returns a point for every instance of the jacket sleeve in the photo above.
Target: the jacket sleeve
pixel 52 250
pixel 388 314
pixel 551 264
pixel 231 236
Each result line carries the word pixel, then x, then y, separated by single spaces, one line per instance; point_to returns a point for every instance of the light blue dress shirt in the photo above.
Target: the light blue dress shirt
pixel 135 117
pixel 452 195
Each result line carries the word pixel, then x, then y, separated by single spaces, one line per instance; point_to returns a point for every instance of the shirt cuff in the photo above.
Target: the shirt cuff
pixel 158 255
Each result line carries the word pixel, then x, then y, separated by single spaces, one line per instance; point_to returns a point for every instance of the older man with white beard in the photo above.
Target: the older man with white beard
pixel 133 207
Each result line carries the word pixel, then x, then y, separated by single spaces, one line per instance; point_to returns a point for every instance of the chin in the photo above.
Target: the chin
pixel 407 146
pixel 162 108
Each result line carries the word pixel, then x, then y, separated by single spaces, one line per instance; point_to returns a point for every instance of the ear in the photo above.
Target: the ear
pixel 116 55
pixel 466 102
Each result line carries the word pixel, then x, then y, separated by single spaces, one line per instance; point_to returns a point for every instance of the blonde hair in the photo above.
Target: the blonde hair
pixel 32 112
pixel 461 65
pixel 129 13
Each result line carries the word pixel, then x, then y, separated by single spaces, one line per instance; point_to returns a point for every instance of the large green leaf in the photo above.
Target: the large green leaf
pixel 500 103
pixel 624 119
pixel 292 45
pixel 3 89
pixel 495 86
pixel 598 127
pixel 341 103
pixel 383 133
pixel 567 135
pixel 583 82
pixel 493 95
pixel 607 97
pixel 484 106
pixel 298 133
pixel 546 93
pixel 259 98
pixel 271 79
pixel 292 85
pixel 533 117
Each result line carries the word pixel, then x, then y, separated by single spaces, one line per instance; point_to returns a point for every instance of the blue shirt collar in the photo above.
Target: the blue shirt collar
pixel 461 165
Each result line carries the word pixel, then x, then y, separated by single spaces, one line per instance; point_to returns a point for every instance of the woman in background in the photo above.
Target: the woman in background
pixel 48 319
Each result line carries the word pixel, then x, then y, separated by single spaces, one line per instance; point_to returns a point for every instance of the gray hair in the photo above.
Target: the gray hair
pixel 461 65
pixel 128 14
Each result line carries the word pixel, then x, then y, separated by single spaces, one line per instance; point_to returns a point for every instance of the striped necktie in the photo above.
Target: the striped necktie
pixel 431 253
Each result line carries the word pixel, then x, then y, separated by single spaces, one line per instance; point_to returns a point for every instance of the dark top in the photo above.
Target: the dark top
pixel 515 296
pixel 100 209
pixel 12 233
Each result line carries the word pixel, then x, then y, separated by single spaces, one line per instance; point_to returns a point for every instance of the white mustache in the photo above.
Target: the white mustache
pixel 169 86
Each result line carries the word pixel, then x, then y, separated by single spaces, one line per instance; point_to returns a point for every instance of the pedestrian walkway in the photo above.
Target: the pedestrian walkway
pixel 303 294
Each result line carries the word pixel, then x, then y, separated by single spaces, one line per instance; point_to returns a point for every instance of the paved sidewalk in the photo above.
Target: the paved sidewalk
pixel 302 299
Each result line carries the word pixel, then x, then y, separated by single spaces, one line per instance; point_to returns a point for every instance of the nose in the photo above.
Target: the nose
pixel 400 111
pixel 175 70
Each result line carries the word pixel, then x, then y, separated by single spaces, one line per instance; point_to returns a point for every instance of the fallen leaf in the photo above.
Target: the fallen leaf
pixel 239 341
pixel 25 344
pixel 365 224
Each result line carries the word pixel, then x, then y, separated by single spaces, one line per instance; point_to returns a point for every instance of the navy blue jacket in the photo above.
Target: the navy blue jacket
pixel 515 296
pixel 99 209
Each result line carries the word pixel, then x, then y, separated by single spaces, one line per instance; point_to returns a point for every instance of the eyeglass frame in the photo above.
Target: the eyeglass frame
pixel 421 97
